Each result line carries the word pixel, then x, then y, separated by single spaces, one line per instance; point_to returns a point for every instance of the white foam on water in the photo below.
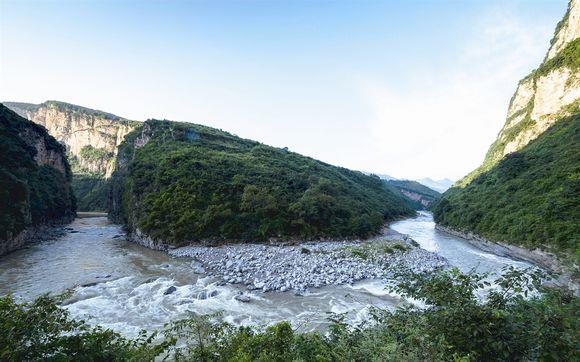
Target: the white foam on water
pixel 145 306
pixel 376 287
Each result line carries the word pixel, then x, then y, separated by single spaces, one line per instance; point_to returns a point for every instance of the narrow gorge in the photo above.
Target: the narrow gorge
pixel 91 139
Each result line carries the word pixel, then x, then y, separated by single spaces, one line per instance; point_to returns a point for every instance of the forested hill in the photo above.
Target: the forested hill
pixel 34 180
pixel 181 182
pixel 527 191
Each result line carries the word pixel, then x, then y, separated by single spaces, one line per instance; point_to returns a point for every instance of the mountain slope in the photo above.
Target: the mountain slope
pixel 526 191
pixel 34 180
pixel 530 198
pixel 547 94
pixel 179 182
pixel 91 138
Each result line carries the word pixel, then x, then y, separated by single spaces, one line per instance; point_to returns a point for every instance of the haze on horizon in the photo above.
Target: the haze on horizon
pixel 410 89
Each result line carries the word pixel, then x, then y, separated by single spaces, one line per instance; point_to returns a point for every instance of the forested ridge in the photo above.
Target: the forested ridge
pixel 187 182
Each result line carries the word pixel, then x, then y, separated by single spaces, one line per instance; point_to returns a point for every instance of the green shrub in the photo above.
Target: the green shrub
pixel 514 323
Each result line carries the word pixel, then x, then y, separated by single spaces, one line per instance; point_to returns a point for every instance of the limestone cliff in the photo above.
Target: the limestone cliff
pixel 525 194
pixel 91 137
pixel 547 94
pixel 35 181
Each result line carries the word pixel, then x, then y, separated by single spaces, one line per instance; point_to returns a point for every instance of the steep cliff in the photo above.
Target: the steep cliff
pixel 181 182
pixel 547 94
pixel 526 192
pixel 91 138
pixel 35 180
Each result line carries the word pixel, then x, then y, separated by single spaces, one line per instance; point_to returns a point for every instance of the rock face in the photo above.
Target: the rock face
pixel 417 195
pixel 91 137
pixel 525 194
pixel 567 30
pixel 35 180
pixel 547 94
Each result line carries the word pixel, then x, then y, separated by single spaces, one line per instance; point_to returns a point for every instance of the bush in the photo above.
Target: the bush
pixel 515 322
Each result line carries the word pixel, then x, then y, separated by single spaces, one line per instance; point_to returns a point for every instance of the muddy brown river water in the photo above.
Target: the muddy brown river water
pixel 121 285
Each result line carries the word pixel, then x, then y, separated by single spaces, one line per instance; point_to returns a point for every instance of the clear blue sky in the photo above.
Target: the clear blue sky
pixel 406 88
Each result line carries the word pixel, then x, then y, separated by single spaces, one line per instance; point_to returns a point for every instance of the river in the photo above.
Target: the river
pixel 124 283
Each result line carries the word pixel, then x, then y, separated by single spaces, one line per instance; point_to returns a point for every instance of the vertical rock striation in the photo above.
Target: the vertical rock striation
pixel 91 138
pixel 549 93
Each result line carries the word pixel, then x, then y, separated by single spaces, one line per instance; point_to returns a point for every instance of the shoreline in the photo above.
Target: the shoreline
pixel 33 234
pixel 538 258
pixel 300 265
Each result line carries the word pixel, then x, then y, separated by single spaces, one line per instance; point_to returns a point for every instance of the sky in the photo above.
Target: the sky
pixel 411 89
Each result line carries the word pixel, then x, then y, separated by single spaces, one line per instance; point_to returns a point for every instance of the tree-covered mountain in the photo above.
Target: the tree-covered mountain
pixel 181 182
pixel 417 196
pixel 35 176
pixel 91 138
pixel 527 190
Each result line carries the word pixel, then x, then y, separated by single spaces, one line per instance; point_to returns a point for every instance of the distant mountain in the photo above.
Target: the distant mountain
pixel 383 176
pixel 182 182
pixel 91 138
pixel 437 185
pixel 527 190
pixel 418 196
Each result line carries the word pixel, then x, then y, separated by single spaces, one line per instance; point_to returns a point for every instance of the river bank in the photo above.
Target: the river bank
pixel 564 276
pixel 34 234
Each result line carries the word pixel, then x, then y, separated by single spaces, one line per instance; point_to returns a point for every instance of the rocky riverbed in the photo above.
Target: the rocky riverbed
pixel 310 265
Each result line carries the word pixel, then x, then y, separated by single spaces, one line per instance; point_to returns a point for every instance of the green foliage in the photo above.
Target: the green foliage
pixel 530 198
pixel 29 194
pixel 568 57
pixel 92 192
pixel 369 250
pixel 42 331
pixel 514 323
pixel 91 153
pixel 191 183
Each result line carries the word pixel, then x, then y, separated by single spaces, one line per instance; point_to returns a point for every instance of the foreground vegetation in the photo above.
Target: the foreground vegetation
pixel 514 323
pixel 191 183
pixel 29 194
pixel 530 198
